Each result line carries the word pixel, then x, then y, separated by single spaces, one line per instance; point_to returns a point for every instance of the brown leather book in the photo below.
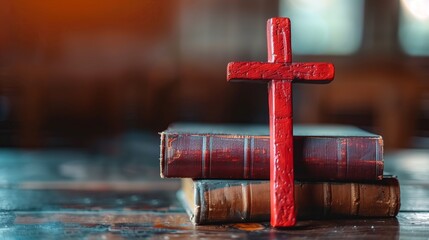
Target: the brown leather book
pixel 321 152
pixel 231 201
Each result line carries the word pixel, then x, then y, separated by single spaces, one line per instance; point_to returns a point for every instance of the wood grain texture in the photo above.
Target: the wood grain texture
pixel 280 72
pixel 130 201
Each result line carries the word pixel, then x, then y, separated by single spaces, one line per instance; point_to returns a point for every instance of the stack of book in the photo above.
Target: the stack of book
pixel 226 169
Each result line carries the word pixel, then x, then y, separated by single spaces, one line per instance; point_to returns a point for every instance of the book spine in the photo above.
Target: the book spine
pixel 249 201
pixel 247 157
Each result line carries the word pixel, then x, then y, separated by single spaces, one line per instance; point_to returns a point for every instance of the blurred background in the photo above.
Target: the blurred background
pixel 73 72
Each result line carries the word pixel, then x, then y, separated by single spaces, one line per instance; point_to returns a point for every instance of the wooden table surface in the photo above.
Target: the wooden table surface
pixel 113 191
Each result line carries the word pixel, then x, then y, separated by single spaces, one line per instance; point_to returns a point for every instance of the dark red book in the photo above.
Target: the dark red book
pixel 321 152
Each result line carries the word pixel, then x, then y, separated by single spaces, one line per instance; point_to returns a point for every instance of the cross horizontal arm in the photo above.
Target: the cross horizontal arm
pixel 268 71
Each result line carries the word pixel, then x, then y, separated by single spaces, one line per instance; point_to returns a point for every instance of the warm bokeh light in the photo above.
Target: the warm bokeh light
pixel 419 8
pixel 73 71
pixel 414 27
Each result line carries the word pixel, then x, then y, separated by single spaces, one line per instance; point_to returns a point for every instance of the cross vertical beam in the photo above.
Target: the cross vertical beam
pixel 281 154
pixel 280 72
pixel 280 116
pixel 278 40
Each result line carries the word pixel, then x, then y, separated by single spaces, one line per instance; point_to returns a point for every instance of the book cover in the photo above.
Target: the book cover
pixel 321 152
pixel 231 201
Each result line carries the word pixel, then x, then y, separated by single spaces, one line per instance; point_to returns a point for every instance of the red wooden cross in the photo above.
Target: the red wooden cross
pixel 280 72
